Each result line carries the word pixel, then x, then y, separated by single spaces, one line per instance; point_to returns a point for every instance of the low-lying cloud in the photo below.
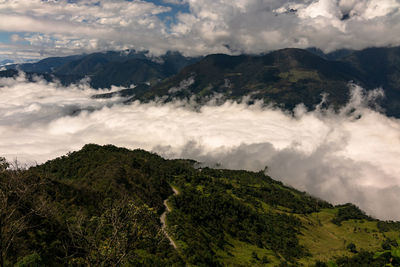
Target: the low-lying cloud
pixel 346 156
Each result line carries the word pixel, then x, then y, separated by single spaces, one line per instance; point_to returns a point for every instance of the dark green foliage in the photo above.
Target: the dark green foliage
pixel 348 212
pixel 386 226
pixel 320 264
pixel 352 248
pixel 264 260
pixel 389 243
pixel 32 260
pixel 361 259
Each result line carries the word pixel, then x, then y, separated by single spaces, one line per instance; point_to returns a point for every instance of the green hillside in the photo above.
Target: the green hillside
pixel 101 206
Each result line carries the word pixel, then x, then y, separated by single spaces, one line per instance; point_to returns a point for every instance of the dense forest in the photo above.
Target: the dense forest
pixel 101 206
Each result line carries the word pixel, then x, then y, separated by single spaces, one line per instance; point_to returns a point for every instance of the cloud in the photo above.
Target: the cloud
pixel 251 26
pixel 83 26
pixel 346 156
pixel 174 2
pixel 16 38
pixel 256 26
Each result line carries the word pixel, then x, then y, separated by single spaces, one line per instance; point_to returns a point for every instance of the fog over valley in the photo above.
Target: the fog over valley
pixel 346 156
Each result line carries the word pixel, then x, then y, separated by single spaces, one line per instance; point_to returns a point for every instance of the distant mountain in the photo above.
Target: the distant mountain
pixel 287 77
pixel 47 65
pixel 31 76
pixel 107 206
pixel 380 67
pixel 334 55
pixel 6 62
pixel 110 68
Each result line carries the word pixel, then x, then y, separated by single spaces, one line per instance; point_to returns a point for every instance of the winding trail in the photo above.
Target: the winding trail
pixel 163 216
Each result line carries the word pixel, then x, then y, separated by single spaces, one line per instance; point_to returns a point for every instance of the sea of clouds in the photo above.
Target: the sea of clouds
pixel 351 155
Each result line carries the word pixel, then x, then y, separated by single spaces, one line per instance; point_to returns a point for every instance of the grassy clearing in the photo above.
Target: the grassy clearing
pixel 326 240
pixel 239 253
pixel 297 75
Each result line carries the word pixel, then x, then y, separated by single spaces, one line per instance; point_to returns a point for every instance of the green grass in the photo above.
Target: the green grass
pixel 239 253
pixel 297 75
pixel 326 240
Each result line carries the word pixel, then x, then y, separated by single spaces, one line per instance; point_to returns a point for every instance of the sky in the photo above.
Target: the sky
pixel 345 156
pixel 33 29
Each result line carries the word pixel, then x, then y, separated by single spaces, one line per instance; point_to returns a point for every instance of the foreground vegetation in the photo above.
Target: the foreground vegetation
pixel 101 206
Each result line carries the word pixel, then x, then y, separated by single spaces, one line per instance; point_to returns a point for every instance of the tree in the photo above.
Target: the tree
pixel 352 247
pixel 16 205
pixel 392 254
pixel 110 238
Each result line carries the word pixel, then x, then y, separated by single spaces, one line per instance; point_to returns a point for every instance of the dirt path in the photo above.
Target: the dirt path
pixel 163 216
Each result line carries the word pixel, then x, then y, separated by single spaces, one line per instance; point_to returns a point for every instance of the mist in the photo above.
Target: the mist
pixel 350 155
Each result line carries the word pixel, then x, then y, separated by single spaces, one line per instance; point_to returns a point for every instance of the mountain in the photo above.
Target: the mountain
pixel 287 77
pixel 335 55
pixel 46 65
pixel 110 68
pixel 106 206
pixel 6 62
pixel 380 67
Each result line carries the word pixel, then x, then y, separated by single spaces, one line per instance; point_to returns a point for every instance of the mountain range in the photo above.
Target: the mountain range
pixel 105 69
pixel 285 77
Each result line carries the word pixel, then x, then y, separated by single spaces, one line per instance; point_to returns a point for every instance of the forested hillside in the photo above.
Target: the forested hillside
pixel 101 206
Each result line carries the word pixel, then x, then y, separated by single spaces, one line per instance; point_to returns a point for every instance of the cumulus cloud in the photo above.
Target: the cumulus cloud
pixel 256 26
pixel 83 26
pixel 251 26
pixel 346 156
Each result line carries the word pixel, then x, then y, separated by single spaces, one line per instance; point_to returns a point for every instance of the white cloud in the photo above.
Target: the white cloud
pixel 336 156
pixel 16 38
pixel 174 2
pixel 246 25
pixel 252 26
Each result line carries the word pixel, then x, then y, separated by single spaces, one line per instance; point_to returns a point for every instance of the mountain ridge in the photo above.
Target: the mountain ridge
pixel 286 77
pixel 109 68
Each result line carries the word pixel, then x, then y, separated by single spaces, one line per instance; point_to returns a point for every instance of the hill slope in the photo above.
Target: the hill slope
pixel 102 206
